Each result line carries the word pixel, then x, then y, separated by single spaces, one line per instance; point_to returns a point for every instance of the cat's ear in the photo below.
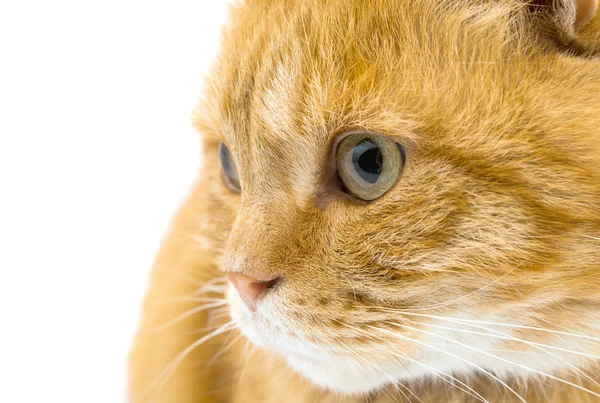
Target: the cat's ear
pixel 574 23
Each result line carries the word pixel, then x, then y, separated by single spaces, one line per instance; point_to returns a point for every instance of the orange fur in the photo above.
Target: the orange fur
pixel 496 217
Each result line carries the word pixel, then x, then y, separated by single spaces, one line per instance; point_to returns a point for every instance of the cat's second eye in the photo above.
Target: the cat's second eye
pixel 368 164
pixel 230 171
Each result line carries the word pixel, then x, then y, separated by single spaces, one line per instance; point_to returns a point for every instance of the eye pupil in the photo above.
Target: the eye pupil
pixel 368 160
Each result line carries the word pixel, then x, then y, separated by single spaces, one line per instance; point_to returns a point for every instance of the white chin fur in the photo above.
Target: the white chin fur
pixel 338 374
pixel 341 374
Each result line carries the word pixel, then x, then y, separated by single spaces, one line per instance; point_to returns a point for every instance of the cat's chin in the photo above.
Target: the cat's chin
pixel 339 374
pixel 344 374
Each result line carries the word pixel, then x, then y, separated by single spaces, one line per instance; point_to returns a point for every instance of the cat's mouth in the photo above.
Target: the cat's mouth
pixel 259 329
pixel 325 367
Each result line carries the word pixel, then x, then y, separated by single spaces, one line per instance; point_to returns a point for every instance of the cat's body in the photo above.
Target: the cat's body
pixel 475 277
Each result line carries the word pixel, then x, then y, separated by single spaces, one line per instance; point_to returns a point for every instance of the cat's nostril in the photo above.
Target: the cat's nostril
pixel 251 290
pixel 271 283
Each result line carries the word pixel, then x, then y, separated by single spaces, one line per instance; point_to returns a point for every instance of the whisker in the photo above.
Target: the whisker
pixel 452 301
pixel 498 350
pixel 455 356
pixel 190 299
pixel 541 329
pixel 533 344
pixel 224 349
pixel 207 328
pixel 501 335
pixel 190 280
pixel 435 371
pixel 246 356
pixel 215 315
pixel 393 381
pixel 187 314
pixel 470 323
pixel 501 359
pixel 218 283
pixel 169 370
pixel 590 237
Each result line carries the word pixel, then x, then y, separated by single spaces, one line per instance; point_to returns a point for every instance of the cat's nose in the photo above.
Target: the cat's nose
pixel 251 289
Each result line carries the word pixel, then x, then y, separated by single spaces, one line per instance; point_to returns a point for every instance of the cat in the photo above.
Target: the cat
pixel 399 200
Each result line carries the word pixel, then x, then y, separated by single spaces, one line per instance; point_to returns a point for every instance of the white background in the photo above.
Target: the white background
pixel 96 152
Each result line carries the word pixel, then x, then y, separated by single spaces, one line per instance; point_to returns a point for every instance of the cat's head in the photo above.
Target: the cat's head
pixel 404 187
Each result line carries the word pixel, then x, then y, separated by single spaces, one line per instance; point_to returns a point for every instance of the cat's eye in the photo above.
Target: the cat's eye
pixel 230 172
pixel 369 164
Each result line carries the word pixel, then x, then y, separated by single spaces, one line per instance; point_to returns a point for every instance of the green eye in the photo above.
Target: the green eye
pixel 229 169
pixel 369 164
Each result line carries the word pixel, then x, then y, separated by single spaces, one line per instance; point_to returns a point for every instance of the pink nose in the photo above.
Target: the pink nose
pixel 251 290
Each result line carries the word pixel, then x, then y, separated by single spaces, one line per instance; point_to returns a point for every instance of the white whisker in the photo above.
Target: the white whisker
pixel 435 371
pixel 501 359
pixel 168 371
pixel 171 301
pixel 500 335
pixel 540 329
pixel 452 301
pixel 533 344
pixel 227 344
pixel 246 356
pixel 454 356
pixel 377 367
pixel 188 313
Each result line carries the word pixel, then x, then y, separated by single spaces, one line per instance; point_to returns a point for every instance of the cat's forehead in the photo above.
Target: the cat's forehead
pixel 293 75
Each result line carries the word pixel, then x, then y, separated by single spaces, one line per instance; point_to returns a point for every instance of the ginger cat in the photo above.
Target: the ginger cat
pixel 399 201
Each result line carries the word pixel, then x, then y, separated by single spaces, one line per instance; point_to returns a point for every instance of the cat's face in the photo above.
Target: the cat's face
pixel 489 213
